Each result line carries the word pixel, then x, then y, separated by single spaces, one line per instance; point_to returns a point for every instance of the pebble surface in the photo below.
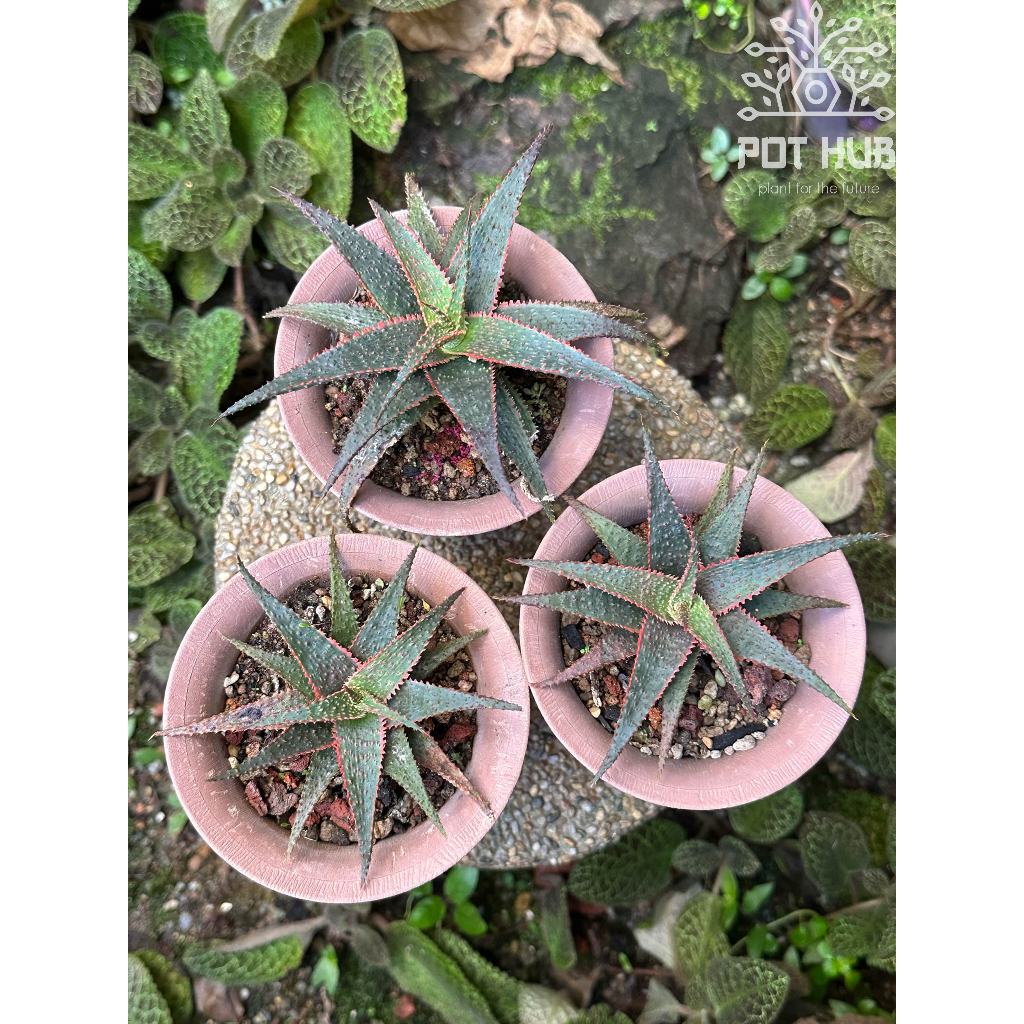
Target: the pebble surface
pixel 556 812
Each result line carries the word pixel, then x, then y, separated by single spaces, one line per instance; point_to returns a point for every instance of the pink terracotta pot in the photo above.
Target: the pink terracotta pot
pixel 321 871
pixel 810 722
pixel 544 273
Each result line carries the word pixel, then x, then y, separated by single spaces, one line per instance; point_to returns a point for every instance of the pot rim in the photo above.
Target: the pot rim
pixel 810 722
pixel 316 870
pixel 549 276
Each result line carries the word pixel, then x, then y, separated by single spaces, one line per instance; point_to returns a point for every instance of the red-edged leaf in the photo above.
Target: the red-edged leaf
pixel 719 499
pixel 360 748
pixel 706 629
pixel 418 700
pixel 283 664
pixel 590 603
pixel 567 323
pixel 721 540
pixel 299 739
pixel 515 442
pixel 431 757
pixel 344 318
pixel 381 625
pixel 323 766
pixel 400 764
pixel 670 541
pixel 626 547
pixel 672 704
pixel 781 602
pixel 434 657
pixel 421 219
pixel 613 647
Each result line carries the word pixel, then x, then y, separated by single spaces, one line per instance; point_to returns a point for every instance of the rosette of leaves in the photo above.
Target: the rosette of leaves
pixel 354 700
pixel 723 26
pixel 685 593
pixel 434 330
pixel 778 285
pixel 719 152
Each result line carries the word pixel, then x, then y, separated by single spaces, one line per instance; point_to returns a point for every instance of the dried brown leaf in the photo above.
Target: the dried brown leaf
pixel 834 491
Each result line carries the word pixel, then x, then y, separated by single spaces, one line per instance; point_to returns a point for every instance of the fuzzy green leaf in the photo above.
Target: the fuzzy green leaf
pixel 258 109
pixel 221 18
pixel 297 52
pixel 180 47
pixel 281 165
pixel 231 245
pixel 201 461
pixel 883 694
pixel 885 441
pixel 631 870
pixel 697 857
pixel 555 928
pixel 835 490
pixel 833 849
pixel 756 346
pixel 247 966
pixel 209 356
pixel 770 819
pixel 290 243
pixel 204 118
pixel 400 765
pixel 145 86
pixel 317 122
pixel 200 274
pixel 590 603
pixel 172 984
pixel 698 936
pixel 758 215
pixel 188 218
pixel 155 163
pixel 874 568
pixel 745 991
pixel 143 401
pixel 492 229
pixel 792 417
pixel 145 1003
pixel 157 544
pixel 371 86
pixel 500 990
pixel 873 252
pixel 739 857
pixel 149 294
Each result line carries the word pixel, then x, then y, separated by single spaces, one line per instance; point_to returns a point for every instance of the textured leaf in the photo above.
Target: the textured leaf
pixel 871 742
pixel 284 665
pixel 379 272
pixel 635 868
pixel 188 218
pixel 745 991
pixel 155 163
pixel 371 86
pixel 697 857
pixel 758 215
pixel 422 221
pixel 590 603
pixel 143 401
pixel 874 568
pixel 145 1003
pixel 721 540
pixel 719 499
pixel 835 490
pixel 201 461
pixel 431 757
pixel 271 30
pixel 510 344
pixel 500 990
pixel 515 442
pixel 567 323
pixel 626 547
pixel 434 657
pixel 145 86
pixel 221 17
pixel 418 700
pixel 172 984
pixel 883 695
pixel 210 354
pixel 756 346
pixel 792 417
pixel 739 857
pixel 157 544
pixel 204 118
pixel 492 229
pixel 299 739
pixel 873 252
pixel 833 848
pixel 317 122
pixel 781 602
pixel 180 47
pixel 613 647
pixel 400 765
pixel 200 274
pixel 672 703
pixel 231 245
pixel 344 624
pixel 344 318
pixel 881 389
pixel 555 929
pixel 671 544
pixel 885 441
pixel 698 936
pixel 289 243
pixel 360 746
pixel 706 628
pixel 149 294
pixel 381 626
pixel 281 165
pixel 247 966
pixel 258 109
pixel 298 50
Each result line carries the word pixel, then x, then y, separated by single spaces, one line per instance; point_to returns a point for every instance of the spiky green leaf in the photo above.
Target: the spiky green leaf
pixel 566 322
pixel 721 540
pixel 780 602
pixel 431 757
pixel 299 739
pixel 400 765
pixel 670 543
pixel 672 704
pixel 626 547
pixel 515 442
pixel 613 647
pixel 283 665
pixel 589 603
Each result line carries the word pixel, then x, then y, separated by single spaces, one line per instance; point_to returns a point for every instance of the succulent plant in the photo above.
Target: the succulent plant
pixel 354 700
pixel 685 592
pixel 434 330
pixel 719 152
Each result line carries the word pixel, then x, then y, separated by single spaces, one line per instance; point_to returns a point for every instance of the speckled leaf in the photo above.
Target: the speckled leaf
pixel 467 388
pixel 246 966
pixel 719 499
pixel 744 991
pixel 626 547
pixel 567 323
pixel 145 1003
pixel 155 163
pixel 317 122
pixel 323 767
pixel 722 538
pixel 881 389
pixel 834 491
pixel 145 86
pixel 781 602
pixel 299 739
pixel 515 443
pixel 149 294
pixel 381 348
pixel 873 252
pixel 492 229
pixel 698 936
pixel 258 109
pixel 756 346
pixel 276 711
pixel 871 741
pixel 499 989
pixel 172 984
pixel 281 164
pixel 794 416
pixel 297 52
pixel 379 272
pixel 706 628
pixel 401 766
pixel 204 118
pixel 360 745
pixel 725 584
pixel 344 623
pixel 422 221
pixel 188 218
pixel 221 17
pixel 832 848
pixel 874 568
pixel 511 344
pixel 883 695
pixel 458 235
pixel 697 857
pixel 180 47
pixel 157 543
pixel 143 401
pixel 885 441
pixel 381 626
pixel 588 602
pixel 199 274
pixel 371 86
pixel 651 591
pixel 434 657
pixel 759 216
pixel 201 461
pixel 344 318
pixel 150 454
pixel 661 651
pixel 418 700
pixel 770 819
pixel 670 541
pixel 672 704
pixel 283 665
pixel 613 647
pixel 431 757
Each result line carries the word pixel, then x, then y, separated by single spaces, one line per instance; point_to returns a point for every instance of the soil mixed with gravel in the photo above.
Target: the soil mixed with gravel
pixel 435 459
pixel 713 720
pixel 275 792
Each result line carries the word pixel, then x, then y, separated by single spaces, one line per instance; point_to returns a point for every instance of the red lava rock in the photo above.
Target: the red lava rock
pixel 456 734
pixel 440 445
pixel 280 799
pixel 757 679
pixel 614 688
pixel 466 466
pixel 404 1008
pixel 691 719
pixel 234 738
pixel 598 558
pixel 300 764
pixel 789 630
pixel 341 814
pixel 255 797
pixel 654 715
pixel 780 690
pixel 158 709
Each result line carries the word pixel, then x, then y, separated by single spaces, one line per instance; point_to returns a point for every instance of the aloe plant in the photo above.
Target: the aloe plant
pixel 354 700
pixel 685 592
pixel 434 330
